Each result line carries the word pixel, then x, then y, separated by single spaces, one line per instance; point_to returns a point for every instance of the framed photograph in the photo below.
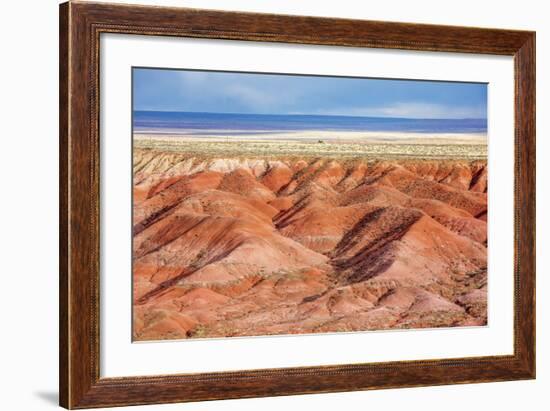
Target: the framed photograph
pixel 259 205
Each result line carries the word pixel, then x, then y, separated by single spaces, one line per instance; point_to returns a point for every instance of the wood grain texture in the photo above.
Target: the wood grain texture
pixel 63 203
pixel 80 27
pixel 525 215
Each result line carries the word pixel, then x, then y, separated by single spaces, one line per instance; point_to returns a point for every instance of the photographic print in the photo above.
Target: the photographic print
pixel 276 204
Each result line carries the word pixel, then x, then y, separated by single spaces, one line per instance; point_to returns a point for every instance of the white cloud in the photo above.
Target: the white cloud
pixel 193 78
pixel 413 110
pixel 250 96
pixel 204 89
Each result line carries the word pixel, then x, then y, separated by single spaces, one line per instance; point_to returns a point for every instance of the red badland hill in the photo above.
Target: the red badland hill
pixel 232 247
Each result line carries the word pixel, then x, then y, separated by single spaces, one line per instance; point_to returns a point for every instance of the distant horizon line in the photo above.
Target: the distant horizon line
pixel 312 115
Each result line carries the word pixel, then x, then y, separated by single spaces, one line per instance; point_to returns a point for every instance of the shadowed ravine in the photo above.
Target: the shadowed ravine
pixel 250 246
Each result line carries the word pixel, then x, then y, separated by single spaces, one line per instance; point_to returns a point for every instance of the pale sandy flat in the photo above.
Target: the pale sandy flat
pixel 326 136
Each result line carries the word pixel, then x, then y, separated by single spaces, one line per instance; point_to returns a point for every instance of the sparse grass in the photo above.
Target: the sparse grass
pixel 275 149
pixel 199 331
pixel 253 278
pixel 284 274
pixel 215 330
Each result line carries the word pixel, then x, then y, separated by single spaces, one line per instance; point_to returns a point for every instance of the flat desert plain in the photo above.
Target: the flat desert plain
pixel 268 237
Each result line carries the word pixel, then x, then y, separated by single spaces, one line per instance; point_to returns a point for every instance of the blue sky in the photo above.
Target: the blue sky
pixel 220 92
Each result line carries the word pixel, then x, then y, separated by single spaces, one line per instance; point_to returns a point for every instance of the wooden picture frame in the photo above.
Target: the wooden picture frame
pixel 80 27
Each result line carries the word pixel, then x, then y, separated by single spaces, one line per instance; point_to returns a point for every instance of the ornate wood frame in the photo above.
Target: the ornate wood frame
pixel 80 27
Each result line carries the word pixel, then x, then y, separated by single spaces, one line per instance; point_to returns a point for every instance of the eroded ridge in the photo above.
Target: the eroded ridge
pixel 249 246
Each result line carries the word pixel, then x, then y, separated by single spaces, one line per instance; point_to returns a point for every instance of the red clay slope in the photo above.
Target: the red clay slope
pixel 233 247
